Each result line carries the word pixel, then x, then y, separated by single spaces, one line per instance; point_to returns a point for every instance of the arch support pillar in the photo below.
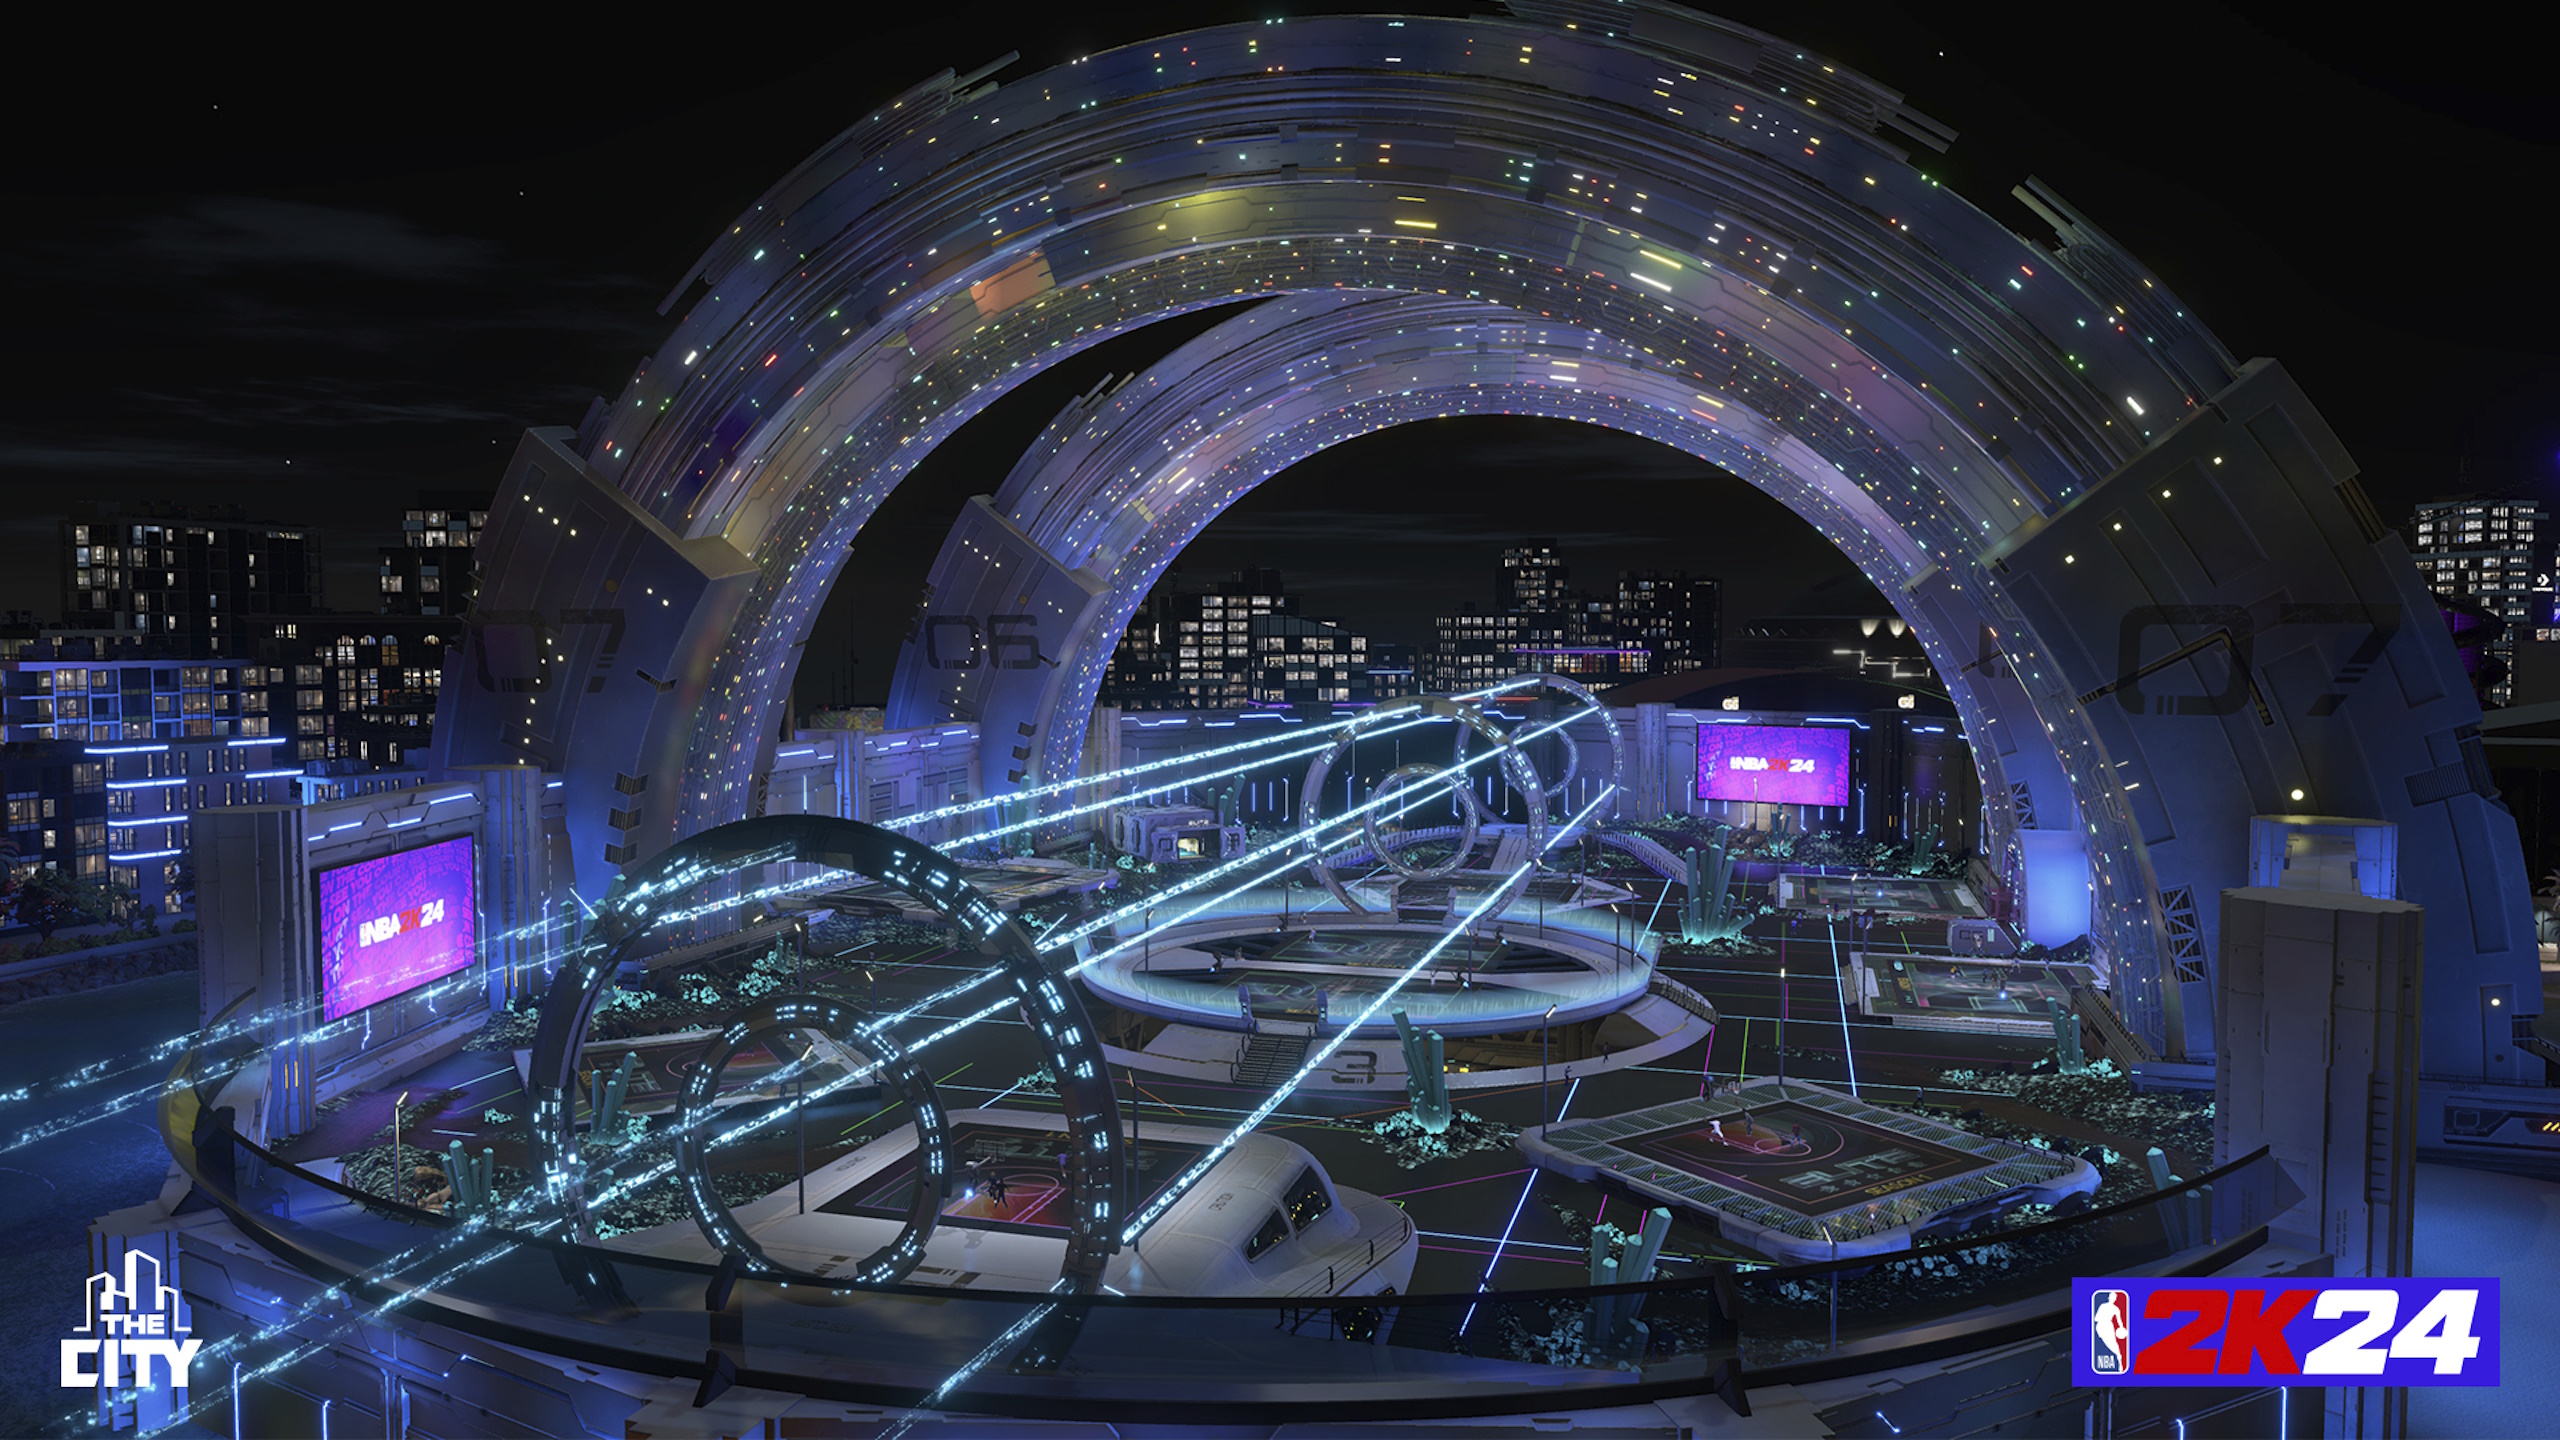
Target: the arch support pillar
pixel 2225 628
pixel 590 651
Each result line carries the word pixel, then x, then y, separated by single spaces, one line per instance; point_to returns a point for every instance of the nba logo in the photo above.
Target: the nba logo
pixel 2108 1332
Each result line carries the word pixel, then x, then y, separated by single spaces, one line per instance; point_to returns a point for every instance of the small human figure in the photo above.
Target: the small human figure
pixel 995 1186
pixel 1799 1139
pixel 1715 1129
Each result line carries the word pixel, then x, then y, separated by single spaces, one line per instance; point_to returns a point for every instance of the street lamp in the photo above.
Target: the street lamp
pixel 1782 1027
pixel 395 1142
pixel 800 1114
pixel 1544 1026
pixel 1791 918
pixel 1835 1286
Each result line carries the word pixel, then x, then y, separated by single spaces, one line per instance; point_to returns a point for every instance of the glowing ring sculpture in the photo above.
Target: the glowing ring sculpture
pixel 1470 821
pixel 896 1074
pixel 1523 777
pixel 1051 1006
pixel 1573 752
pixel 1993 426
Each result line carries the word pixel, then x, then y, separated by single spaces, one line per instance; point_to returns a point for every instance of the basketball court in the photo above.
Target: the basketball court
pixel 1802 1172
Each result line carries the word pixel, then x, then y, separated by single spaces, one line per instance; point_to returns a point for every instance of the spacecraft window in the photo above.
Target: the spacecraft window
pixel 1273 1231
pixel 1308 1199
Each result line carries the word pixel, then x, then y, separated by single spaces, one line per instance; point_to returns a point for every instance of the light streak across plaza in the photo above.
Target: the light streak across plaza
pixel 1410 797
pixel 1341 1036
pixel 467 984
pixel 1173 1191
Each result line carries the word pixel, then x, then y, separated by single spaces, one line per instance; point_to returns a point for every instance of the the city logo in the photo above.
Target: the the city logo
pixel 128 1325
pixel 2108 1332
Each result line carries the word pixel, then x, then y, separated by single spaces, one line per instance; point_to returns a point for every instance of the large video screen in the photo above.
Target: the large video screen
pixel 392 924
pixel 1774 764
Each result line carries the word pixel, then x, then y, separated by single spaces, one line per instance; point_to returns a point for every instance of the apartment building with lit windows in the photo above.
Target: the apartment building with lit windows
pixel 2497 553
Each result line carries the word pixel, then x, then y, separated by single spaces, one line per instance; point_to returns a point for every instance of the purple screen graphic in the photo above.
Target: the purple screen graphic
pixel 390 925
pixel 1773 764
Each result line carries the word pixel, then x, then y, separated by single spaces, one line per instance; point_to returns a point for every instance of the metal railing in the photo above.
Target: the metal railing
pixel 1204 1360
pixel 1684 997
pixel 1330 1285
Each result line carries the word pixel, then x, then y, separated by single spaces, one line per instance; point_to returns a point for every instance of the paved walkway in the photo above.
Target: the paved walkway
pixel 2474 1222
pixel 1656 856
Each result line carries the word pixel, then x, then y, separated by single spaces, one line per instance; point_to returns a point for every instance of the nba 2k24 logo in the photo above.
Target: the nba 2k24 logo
pixel 127 1326
pixel 2316 1332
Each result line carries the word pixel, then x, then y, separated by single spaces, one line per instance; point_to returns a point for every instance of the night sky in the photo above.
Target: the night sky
pixel 319 270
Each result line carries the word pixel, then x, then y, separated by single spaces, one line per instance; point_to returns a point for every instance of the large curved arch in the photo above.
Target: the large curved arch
pixel 1631 172
pixel 1120 485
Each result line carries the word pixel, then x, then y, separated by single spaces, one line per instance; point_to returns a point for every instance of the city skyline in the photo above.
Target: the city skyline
pixel 341 319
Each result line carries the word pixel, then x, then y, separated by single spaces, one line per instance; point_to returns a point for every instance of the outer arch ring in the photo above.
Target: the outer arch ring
pixel 1095 1178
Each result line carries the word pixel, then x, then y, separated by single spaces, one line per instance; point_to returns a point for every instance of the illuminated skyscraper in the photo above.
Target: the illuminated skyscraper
pixel 1473 647
pixel 430 571
pixel 1193 651
pixel 1299 661
pixel 1678 619
pixel 183 581
pixel 2499 554
pixel 1531 579
pixel 1653 624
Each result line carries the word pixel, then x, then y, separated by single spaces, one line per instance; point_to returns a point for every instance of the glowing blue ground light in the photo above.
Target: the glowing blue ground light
pixel 1840 986
pixel 1505 1242
pixel 1156 1209
pixel 1294 842
pixel 682 879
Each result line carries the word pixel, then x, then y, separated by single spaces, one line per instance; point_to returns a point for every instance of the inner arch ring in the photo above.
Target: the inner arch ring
pixel 892 1070
pixel 1559 786
pixel 1523 778
pixel 1408 777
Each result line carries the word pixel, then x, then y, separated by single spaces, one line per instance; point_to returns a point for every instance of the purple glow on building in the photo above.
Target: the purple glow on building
pixel 1773 764
pixel 390 925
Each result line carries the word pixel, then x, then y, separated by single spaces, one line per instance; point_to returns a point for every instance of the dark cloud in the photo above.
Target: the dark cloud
pixel 1471 530
pixel 303 310
pixel 322 401
pixel 232 232
pixel 24 452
